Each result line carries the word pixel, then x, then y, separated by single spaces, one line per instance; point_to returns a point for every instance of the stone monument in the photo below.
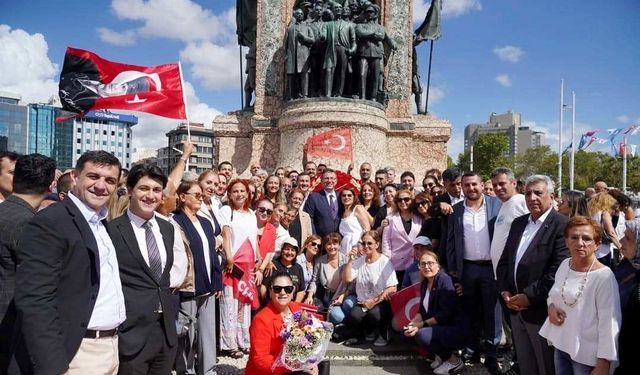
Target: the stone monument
pixel 274 130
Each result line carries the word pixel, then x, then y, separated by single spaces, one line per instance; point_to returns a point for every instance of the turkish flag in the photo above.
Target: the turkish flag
pixel 89 82
pixel 334 144
pixel 244 289
pixel 405 304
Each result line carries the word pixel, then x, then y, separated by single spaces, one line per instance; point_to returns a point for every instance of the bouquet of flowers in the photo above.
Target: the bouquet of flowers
pixel 306 339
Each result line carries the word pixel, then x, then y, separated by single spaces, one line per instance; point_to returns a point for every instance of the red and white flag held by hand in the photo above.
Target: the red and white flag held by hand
pixel 405 304
pixel 89 82
pixel 336 144
pixel 244 288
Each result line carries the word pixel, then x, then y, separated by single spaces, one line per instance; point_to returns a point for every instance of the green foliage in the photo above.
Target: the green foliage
pixel 488 153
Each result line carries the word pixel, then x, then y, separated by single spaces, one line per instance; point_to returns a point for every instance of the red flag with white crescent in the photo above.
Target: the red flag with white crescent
pixel 89 82
pixel 336 144
pixel 405 304
pixel 244 288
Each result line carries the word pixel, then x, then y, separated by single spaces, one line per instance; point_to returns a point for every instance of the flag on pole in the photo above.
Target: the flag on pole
pixel 405 304
pixel 614 150
pixel 621 150
pixel 631 130
pixel 613 133
pixel 633 150
pixel 567 149
pixel 89 82
pixel 591 133
pixel 334 143
pixel 430 29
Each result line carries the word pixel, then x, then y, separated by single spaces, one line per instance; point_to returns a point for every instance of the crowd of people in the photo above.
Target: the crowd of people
pixel 109 271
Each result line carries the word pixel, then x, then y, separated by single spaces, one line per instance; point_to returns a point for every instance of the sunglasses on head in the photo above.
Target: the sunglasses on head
pixel 263 210
pixel 279 288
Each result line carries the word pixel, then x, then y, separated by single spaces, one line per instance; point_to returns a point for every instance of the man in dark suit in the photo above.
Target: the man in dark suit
pixel 144 245
pixel 33 176
pixel 468 251
pixel 68 292
pixel 442 205
pixel 526 272
pixel 324 207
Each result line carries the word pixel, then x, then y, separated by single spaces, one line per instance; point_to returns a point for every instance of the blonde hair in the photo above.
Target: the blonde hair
pixel 601 202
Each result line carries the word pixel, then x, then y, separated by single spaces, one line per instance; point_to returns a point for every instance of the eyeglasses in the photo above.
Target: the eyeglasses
pixel 404 199
pixel 427 264
pixel 197 196
pixel 422 203
pixel 586 239
pixel 315 244
pixel 347 195
pixel 263 210
pixel 368 243
pixel 277 289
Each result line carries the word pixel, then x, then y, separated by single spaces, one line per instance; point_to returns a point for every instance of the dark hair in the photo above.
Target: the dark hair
pixel 578 221
pixel 471 174
pixel 304 174
pixel 279 274
pixel 327 170
pixel 376 194
pixel 407 173
pixel 33 174
pixel 623 200
pixel 381 171
pixel 146 170
pixel 331 238
pixel 390 185
pixel 451 174
pixel 224 163
pixel 576 202
pixel 183 189
pixel 64 183
pixel 99 158
pixel 292 171
pixel 12 156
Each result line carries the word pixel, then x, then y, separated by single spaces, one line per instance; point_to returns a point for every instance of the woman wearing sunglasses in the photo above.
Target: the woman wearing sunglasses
pixel 375 281
pixel 326 288
pixel 354 222
pixel 307 260
pixel 199 236
pixel 266 237
pixel 397 238
pixel 266 342
pixel 430 226
pixel 440 327
pixel 239 226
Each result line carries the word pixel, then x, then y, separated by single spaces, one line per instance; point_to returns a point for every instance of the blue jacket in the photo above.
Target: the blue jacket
pixel 443 302
pixel 317 206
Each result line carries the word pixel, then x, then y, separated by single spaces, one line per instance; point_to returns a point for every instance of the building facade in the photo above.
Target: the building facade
pixel 202 139
pixel 13 124
pixel 107 131
pixel 520 138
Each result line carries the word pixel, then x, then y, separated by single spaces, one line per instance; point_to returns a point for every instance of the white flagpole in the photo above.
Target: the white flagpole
pixel 624 165
pixel 560 139
pixel 471 158
pixel 573 140
pixel 186 110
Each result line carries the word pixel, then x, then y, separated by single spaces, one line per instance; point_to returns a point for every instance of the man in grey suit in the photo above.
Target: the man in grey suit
pixel 468 250
pixel 33 175
pixel 298 42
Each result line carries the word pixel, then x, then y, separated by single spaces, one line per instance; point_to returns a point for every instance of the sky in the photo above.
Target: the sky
pixel 493 56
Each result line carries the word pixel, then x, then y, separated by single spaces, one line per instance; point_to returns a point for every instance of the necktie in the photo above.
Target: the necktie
pixel 155 263
pixel 332 206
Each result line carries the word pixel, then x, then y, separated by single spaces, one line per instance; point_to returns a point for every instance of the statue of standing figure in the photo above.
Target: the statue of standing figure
pixel 298 42
pixel 343 46
pixel 370 37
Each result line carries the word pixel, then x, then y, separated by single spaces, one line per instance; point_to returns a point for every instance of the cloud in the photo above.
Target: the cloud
pixel 125 38
pixel 25 68
pixel 455 146
pixel 436 94
pixel 216 67
pixel 504 80
pixel 509 53
pixel 624 119
pixel 182 20
pixel 450 8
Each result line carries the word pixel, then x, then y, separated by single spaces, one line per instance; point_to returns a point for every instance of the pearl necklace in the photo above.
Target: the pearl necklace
pixel 583 283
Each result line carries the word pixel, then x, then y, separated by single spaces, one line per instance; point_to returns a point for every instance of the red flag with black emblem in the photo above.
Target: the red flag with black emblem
pixel 89 82
pixel 405 304
pixel 335 144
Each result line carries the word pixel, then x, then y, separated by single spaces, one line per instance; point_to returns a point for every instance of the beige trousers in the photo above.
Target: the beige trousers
pixel 96 357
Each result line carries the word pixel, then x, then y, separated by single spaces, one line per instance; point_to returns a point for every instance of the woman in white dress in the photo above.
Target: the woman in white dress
pixel 239 225
pixel 354 222
pixel 583 305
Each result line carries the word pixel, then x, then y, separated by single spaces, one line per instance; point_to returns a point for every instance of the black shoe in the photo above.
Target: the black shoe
pixel 491 364
pixel 470 357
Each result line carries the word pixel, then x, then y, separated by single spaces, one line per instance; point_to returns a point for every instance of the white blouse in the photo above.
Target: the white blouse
pixel 590 329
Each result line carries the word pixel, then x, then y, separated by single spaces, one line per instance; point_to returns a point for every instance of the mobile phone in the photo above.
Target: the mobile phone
pixel 237 272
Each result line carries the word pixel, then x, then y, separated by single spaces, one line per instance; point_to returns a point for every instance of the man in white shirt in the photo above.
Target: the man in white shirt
pixel 145 247
pixel 534 249
pixel 68 291
pixel 324 207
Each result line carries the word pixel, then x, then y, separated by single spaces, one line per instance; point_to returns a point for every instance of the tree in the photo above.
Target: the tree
pixel 489 153
pixel 464 161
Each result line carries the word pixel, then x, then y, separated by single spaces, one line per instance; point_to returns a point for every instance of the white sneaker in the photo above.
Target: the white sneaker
pixel 447 368
pixel 437 361
pixel 380 341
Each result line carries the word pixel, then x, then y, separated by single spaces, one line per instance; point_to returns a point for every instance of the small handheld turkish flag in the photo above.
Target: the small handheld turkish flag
pixel 405 304
pixel 334 144
pixel 89 82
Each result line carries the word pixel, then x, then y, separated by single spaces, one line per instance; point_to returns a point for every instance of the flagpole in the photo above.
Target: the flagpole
pixel 624 165
pixel 426 107
pixel 186 110
pixel 471 158
pixel 573 140
pixel 560 139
